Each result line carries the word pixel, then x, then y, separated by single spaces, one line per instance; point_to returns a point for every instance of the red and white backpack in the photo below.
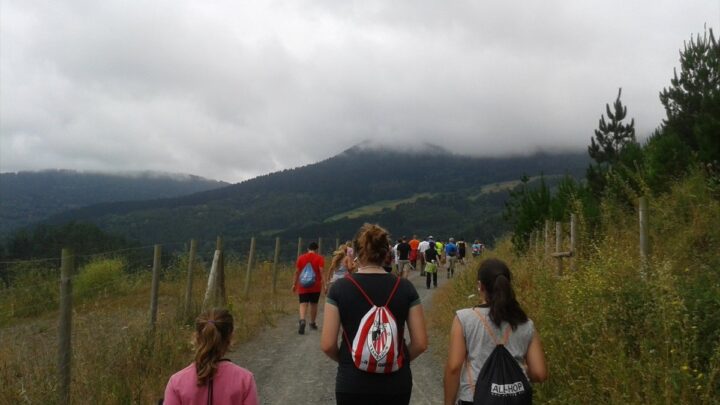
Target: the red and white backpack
pixel 377 347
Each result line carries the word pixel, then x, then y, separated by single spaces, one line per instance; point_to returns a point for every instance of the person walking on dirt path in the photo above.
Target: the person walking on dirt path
pixel 476 248
pixel 403 251
pixel 432 264
pixel 212 378
pixel 422 247
pixel 381 346
pixel 451 252
pixel 474 334
pixel 462 250
pixel 308 289
pixel 414 245
pixel 339 267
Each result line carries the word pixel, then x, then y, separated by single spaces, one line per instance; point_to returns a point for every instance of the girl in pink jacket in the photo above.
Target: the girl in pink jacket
pixel 211 379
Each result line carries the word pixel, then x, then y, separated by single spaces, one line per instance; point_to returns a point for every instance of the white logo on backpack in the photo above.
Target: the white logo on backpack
pixel 376 347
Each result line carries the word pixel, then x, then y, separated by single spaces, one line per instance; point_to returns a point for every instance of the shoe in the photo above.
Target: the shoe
pixel 301 328
pixel 313 325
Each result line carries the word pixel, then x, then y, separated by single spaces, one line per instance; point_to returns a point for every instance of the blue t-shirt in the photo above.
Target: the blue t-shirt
pixel 450 249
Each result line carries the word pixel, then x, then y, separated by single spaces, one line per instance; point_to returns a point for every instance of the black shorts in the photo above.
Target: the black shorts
pixel 312 298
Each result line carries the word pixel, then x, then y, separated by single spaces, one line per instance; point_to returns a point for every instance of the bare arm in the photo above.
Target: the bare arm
pixel 457 352
pixel 330 331
pixel 418 334
pixel 535 359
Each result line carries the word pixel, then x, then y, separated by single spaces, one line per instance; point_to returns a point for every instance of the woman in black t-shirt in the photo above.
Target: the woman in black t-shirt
pixel 347 303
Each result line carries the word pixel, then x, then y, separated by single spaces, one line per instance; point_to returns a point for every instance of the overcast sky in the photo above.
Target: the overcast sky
pixel 232 89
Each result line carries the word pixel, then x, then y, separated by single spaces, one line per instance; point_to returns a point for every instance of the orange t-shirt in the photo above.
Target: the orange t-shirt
pixel 414 244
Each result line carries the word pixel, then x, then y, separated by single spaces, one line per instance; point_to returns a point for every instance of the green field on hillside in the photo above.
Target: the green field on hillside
pixel 377 207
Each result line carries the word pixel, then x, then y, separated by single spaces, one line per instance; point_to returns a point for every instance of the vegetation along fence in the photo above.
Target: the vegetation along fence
pixel 93 322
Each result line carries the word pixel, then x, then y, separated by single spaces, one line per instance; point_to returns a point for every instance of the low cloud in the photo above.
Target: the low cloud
pixel 228 90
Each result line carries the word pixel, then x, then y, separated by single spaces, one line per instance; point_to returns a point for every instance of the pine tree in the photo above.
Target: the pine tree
pixel 692 101
pixel 612 137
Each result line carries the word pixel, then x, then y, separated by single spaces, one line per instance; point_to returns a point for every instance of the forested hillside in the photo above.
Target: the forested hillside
pixel 28 197
pixel 300 202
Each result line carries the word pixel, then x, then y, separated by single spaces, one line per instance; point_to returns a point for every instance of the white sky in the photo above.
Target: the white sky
pixel 232 89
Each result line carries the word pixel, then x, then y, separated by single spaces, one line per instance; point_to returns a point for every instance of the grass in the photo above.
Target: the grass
pixel 618 331
pixel 377 207
pixel 117 359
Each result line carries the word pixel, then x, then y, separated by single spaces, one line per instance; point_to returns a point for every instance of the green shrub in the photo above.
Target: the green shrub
pixel 34 290
pixel 99 277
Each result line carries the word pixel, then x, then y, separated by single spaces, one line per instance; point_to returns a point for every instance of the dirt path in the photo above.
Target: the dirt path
pixel 290 368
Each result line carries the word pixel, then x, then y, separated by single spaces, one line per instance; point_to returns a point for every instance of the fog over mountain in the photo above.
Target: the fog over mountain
pixel 229 90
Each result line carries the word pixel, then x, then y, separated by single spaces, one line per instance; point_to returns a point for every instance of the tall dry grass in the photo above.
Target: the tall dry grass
pixel 116 358
pixel 616 331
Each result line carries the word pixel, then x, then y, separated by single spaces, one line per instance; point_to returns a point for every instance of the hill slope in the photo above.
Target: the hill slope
pixel 28 197
pixel 299 202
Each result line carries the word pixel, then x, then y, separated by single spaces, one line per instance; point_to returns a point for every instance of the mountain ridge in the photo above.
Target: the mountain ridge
pixel 297 201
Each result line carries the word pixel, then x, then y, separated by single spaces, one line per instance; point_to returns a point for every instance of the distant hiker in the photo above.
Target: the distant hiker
pixel 422 247
pixel 476 332
pixel 403 259
pixel 476 248
pixel 372 307
pixel 432 264
pixel 462 250
pixel 339 267
pixel 308 284
pixel 389 260
pixel 440 248
pixel 451 252
pixel 394 254
pixel 350 256
pixel 212 378
pixel 414 245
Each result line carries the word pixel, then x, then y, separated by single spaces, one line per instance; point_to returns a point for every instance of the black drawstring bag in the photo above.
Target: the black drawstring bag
pixel 501 380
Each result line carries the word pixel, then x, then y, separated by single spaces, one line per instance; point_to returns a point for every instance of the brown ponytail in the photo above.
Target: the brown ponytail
pixel 372 244
pixel 213 330
pixel 495 277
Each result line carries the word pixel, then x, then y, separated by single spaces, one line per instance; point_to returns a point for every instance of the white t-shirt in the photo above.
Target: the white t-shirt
pixel 423 246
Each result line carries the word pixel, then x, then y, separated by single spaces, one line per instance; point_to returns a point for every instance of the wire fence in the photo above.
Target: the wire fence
pixel 59 319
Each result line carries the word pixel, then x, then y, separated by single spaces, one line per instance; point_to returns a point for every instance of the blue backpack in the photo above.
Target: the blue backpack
pixel 307 276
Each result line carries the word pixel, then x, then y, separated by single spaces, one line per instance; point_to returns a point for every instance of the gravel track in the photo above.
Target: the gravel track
pixel 290 368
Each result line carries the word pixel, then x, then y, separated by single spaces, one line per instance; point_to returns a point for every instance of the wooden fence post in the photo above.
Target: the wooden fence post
pixel 299 250
pixel 337 243
pixel 547 237
pixel 320 246
pixel 644 241
pixel 65 325
pixel 275 263
pixel 558 246
pixel 155 285
pixel 251 256
pixel 211 296
pixel 221 296
pixel 189 283
pixel 573 242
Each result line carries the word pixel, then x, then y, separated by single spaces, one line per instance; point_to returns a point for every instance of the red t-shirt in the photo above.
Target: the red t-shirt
pixel 317 262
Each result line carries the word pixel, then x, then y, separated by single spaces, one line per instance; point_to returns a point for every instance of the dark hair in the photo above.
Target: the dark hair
pixel 313 246
pixel 495 277
pixel 213 329
pixel 371 244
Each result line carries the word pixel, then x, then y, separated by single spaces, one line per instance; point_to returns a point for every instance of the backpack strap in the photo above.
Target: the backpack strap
pixel 488 329
pixel 392 293
pixel 210 384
